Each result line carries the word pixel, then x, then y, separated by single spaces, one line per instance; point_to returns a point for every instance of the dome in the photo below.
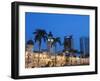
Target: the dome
pixel 30 42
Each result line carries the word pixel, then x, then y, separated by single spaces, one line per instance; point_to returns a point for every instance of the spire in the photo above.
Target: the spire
pixel 50 34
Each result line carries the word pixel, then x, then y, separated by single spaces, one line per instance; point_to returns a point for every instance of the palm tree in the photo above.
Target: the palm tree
pixel 55 41
pixel 40 34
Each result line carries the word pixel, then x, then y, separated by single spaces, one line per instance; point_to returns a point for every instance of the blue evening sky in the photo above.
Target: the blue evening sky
pixel 59 24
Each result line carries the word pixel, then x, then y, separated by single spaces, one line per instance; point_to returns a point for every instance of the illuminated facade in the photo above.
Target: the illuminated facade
pixel 68 42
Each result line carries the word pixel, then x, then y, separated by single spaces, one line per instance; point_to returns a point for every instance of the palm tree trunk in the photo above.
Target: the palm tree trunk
pixel 55 55
pixel 39 54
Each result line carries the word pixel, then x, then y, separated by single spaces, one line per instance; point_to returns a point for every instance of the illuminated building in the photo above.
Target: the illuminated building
pixel 84 46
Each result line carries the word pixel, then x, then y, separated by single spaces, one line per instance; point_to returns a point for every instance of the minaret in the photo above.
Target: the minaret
pixel 49 42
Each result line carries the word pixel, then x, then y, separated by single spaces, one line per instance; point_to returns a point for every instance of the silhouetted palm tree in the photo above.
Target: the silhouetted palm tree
pixel 40 34
pixel 55 41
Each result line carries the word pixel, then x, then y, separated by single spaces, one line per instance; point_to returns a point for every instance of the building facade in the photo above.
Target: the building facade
pixel 84 46
pixel 68 42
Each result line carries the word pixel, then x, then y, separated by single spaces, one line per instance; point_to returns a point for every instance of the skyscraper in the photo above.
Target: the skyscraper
pixel 84 46
pixel 68 42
